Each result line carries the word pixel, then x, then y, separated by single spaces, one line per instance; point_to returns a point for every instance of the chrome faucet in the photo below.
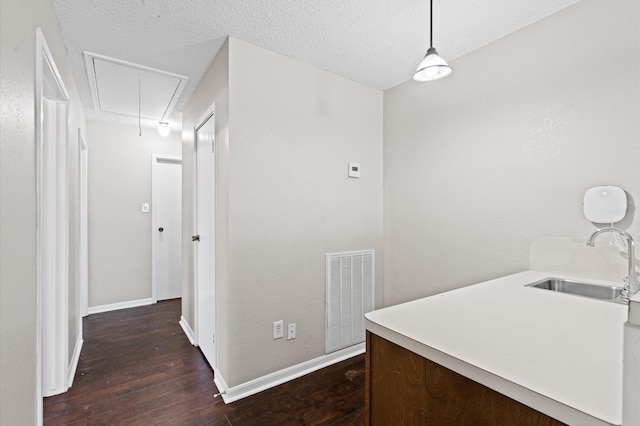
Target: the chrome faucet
pixel 631 284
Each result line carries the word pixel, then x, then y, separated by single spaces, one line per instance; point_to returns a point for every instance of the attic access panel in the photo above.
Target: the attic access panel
pixel 129 89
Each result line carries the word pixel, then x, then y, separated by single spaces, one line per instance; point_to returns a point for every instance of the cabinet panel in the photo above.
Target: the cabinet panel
pixel 405 388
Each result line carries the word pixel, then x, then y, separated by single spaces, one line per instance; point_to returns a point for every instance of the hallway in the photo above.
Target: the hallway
pixel 138 368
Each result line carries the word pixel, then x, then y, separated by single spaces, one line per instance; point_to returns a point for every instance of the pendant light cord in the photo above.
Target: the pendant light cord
pixel 431 23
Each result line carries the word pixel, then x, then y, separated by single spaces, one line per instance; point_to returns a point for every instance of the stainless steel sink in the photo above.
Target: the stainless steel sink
pixel 593 291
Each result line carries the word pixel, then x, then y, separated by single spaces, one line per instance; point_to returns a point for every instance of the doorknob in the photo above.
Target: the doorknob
pixel 195 238
pixel 161 229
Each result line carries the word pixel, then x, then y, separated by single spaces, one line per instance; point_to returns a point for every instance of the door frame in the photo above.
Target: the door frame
pixel 53 311
pixel 157 158
pixel 208 115
pixel 83 235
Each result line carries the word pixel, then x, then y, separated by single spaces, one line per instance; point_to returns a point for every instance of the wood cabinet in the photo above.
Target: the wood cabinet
pixel 403 388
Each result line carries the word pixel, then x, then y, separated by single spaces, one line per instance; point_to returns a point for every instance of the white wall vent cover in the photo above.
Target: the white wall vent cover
pixel 124 88
pixel 350 295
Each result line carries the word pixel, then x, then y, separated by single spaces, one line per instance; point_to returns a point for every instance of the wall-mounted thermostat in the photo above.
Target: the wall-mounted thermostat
pixel 354 170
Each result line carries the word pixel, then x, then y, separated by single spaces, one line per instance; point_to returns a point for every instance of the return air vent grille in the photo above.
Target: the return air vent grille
pixel 350 294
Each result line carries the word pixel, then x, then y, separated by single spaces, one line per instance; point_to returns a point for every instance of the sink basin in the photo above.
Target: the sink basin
pixel 593 291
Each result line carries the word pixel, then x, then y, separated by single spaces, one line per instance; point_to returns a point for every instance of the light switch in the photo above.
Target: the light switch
pixel 145 207
pixel 354 170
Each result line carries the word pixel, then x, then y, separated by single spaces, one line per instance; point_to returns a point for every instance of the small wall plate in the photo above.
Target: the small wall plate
pixel 354 170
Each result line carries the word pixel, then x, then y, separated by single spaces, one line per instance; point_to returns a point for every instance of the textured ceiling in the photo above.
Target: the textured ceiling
pixel 378 43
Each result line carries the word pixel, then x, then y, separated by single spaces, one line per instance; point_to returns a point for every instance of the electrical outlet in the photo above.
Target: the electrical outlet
pixel 278 329
pixel 291 332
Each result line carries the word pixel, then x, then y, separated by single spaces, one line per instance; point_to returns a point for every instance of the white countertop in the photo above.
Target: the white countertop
pixel 557 353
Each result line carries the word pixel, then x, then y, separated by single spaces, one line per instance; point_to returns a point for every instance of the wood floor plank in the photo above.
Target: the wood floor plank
pixel 138 368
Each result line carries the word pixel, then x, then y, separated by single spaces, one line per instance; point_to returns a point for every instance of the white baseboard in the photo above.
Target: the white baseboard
pixel 187 330
pixel 120 305
pixel 274 379
pixel 71 373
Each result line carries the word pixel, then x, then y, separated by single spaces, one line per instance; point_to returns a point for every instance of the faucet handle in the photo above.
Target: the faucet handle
pixel 634 285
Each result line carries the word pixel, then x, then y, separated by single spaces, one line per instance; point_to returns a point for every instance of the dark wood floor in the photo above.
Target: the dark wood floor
pixel 138 368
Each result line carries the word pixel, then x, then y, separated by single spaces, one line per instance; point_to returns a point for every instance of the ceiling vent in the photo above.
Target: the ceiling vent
pixel 124 88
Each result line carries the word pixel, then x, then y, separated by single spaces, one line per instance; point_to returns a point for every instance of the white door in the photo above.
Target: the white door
pixel 204 238
pixel 167 226
pixel 54 250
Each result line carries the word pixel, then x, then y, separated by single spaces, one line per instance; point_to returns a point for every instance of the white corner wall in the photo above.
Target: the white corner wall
pixel 293 129
pixel 119 233
pixel 19 401
pixel 481 164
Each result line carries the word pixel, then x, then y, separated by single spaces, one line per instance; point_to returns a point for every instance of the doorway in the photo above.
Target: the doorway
pixel 166 223
pixel 204 237
pixel 52 111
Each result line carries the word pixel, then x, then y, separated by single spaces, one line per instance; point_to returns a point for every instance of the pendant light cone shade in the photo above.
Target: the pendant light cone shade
pixel 432 67
pixel 163 128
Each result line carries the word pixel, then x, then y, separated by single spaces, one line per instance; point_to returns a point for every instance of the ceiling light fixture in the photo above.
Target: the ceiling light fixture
pixel 432 67
pixel 163 128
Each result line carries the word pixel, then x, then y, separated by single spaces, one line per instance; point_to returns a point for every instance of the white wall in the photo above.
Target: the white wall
pixel 481 164
pixel 19 404
pixel 119 233
pixel 284 137
pixel 293 130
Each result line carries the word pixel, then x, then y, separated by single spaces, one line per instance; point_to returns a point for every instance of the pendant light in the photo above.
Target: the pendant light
pixel 163 128
pixel 432 67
